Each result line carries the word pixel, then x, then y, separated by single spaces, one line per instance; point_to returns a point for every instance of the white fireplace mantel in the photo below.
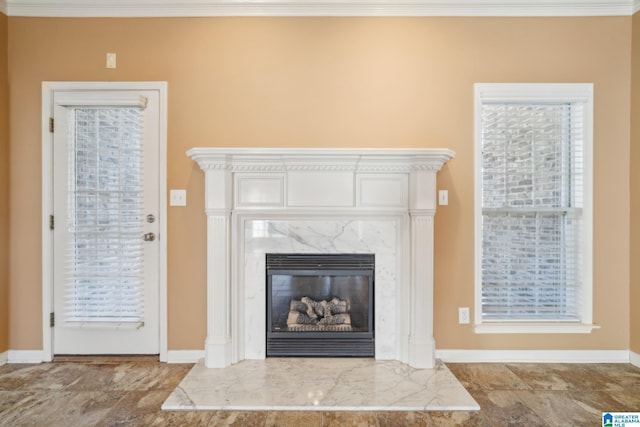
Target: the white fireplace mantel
pixel 320 200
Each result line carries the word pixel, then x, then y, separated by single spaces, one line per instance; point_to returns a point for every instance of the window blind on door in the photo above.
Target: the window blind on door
pixel 532 200
pixel 105 217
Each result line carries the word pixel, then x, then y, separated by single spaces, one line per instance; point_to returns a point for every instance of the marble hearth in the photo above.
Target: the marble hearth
pixel 260 201
pixel 345 384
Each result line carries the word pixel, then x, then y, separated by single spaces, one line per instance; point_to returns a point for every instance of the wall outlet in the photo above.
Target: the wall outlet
pixel 463 315
pixel 111 60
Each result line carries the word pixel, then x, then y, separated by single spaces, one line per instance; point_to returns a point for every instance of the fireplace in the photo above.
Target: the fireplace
pixel 320 201
pixel 320 305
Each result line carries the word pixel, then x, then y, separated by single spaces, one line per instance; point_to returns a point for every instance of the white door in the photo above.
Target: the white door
pixel 105 222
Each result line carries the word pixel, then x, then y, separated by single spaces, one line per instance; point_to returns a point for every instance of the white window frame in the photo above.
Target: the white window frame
pixel 537 93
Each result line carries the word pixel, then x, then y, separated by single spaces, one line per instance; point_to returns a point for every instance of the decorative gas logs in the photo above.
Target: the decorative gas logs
pixel 308 314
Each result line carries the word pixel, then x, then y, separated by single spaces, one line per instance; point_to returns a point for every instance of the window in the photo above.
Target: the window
pixel 105 263
pixel 533 208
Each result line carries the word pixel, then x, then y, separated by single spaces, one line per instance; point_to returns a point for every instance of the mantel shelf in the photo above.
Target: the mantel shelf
pixel 285 159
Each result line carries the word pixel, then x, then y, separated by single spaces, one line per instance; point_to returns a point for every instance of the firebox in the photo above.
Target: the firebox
pixel 320 305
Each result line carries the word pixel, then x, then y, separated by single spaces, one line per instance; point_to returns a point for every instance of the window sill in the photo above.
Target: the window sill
pixel 534 328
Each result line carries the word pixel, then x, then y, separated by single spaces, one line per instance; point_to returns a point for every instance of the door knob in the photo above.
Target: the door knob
pixel 149 237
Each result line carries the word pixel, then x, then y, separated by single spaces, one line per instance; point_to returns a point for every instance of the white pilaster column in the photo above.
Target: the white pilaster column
pixel 218 207
pixel 422 192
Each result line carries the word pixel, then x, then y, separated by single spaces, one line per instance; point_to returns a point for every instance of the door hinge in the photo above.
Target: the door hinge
pixel 51 222
pixel 52 320
pixel 51 124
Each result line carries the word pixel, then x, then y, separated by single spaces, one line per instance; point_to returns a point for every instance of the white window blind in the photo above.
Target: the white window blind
pixel 105 253
pixel 532 162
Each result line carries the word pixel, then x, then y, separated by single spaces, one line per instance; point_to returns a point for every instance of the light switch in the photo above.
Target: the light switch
pixel 178 198
pixel 443 197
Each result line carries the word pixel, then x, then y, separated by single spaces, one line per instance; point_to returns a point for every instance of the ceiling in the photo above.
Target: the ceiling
pixel 195 8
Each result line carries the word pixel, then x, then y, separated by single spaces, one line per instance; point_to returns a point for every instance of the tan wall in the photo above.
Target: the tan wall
pixel 4 188
pixel 330 82
pixel 634 159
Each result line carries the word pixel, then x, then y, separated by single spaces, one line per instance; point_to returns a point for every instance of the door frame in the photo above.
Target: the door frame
pixel 48 88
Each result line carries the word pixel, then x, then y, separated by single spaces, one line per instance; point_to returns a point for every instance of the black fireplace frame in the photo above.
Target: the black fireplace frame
pixel 322 343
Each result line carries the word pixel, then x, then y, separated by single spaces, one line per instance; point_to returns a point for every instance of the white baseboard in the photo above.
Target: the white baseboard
pixel 452 356
pixel 36 356
pixel 25 356
pixel 184 356
pixel 477 356
pixel 534 356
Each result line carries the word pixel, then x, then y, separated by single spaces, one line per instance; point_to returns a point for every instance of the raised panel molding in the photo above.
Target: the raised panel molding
pixel 320 189
pixel 260 191
pixel 203 8
pixel 382 191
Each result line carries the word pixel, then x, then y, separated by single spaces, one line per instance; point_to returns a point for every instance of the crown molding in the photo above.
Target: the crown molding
pixel 206 8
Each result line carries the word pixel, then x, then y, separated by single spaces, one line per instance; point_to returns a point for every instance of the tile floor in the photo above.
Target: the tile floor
pixel 111 392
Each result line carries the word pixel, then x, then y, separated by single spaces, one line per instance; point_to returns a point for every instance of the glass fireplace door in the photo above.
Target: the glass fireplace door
pixel 320 305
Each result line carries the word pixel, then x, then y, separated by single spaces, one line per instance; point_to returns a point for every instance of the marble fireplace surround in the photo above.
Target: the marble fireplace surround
pixel 379 201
